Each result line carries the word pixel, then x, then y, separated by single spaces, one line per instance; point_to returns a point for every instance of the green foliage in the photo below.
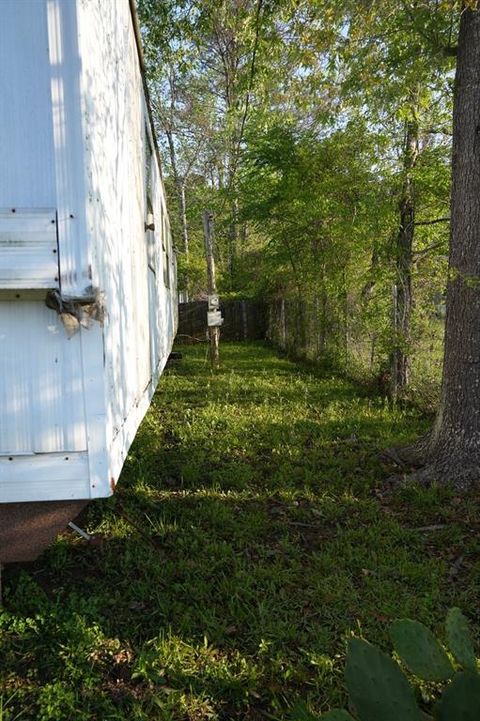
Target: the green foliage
pixel 58 701
pixel 420 651
pixel 300 712
pixel 287 121
pixel 191 273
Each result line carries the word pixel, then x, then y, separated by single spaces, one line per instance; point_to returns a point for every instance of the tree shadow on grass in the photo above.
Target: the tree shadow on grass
pixel 238 553
pixel 240 599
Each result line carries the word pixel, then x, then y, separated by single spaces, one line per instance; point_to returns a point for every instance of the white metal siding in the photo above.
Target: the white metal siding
pixel 43 438
pixel 69 148
pixel 70 407
pixel 140 317
pixel 28 249
pixel 114 126
pixel 41 394
pixel 27 177
pixel 46 473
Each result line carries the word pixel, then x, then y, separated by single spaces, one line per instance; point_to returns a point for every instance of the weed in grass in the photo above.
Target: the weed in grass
pixel 249 537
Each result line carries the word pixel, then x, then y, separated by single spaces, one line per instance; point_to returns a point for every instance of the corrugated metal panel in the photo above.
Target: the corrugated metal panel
pixel 52 394
pixel 27 178
pixel 69 135
pixel 117 207
pixel 41 391
pixel 28 249
pixel 141 311
pixel 45 472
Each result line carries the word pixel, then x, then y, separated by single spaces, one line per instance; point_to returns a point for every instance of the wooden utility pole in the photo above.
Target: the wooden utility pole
pixel 213 329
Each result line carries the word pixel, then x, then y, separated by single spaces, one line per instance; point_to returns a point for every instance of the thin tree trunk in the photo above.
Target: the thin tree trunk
pixel 213 331
pixel 180 188
pixel 451 453
pixel 402 310
pixel 233 231
pixel 182 201
pixel 323 315
pixel 183 216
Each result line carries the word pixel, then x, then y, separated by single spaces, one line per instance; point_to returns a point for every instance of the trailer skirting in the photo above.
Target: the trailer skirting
pixel 26 529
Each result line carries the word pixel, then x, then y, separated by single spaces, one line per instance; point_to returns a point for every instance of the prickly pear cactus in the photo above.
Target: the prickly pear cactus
pixel 461 699
pixel 337 714
pixel 420 651
pixel 459 639
pixel 377 688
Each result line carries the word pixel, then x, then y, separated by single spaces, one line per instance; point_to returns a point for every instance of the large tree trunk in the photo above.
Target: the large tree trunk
pixel 402 306
pixel 451 453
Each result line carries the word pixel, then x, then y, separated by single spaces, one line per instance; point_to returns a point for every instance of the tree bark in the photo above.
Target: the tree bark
pixel 451 453
pixel 213 331
pixel 179 183
pixel 180 188
pixel 402 307
pixel 233 234
pixel 183 216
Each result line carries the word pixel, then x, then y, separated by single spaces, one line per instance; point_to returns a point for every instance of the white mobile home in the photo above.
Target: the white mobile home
pixel 88 306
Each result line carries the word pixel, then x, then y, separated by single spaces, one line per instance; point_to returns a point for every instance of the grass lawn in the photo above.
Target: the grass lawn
pixel 249 537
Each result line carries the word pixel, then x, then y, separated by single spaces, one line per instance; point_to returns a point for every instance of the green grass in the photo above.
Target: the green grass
pixel 250 536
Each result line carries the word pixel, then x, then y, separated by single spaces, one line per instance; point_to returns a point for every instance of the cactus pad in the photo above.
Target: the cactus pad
pixel 461 699
pixel 420 651
pixel 459 639
pixel 337 714
pixel 377 687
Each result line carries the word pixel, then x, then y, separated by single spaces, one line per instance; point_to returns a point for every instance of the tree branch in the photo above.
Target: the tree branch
pixel 252 72
pixel 432 222
pixel 450 51
pixel 437 131
pixel 417 253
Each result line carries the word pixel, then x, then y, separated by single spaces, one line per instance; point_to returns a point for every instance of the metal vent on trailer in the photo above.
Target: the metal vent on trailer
pixel 28 249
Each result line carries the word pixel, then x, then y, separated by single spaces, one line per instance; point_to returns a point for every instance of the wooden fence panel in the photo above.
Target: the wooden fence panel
pixel 244 320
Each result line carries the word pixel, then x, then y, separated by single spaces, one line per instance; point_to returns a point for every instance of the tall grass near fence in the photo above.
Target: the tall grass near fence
pixel 358 345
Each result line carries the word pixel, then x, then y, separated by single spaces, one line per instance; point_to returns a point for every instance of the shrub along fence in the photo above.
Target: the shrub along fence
pixel 244 320
pixel 303 329
pixel 342 338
